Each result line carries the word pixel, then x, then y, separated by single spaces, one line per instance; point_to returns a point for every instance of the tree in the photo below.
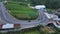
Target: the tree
pixel 53 4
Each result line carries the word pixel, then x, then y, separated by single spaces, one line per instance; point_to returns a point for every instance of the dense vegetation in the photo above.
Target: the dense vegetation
pixel 54 4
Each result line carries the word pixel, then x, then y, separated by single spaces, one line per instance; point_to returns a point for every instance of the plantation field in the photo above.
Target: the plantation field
pixel 21 11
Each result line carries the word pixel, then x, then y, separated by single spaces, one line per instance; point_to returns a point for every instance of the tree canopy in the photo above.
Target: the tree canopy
pixel 54 4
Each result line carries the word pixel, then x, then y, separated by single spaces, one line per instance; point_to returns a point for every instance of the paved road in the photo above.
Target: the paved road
pixel 5 17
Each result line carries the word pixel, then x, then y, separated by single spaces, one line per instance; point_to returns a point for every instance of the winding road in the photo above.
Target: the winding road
pixel 5 17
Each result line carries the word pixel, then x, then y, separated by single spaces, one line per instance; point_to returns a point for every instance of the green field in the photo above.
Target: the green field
pixel 21 11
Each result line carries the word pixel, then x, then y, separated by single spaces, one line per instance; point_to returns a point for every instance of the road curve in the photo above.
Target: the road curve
pixel 5 17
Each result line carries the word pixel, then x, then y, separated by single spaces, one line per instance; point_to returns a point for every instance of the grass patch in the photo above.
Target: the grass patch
pixel 25 31
pixel 31 31
pixel 21 11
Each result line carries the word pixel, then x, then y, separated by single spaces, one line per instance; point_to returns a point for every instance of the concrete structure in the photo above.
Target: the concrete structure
pixel 40 7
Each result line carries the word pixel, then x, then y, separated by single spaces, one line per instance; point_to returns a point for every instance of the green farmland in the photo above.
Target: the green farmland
pixel 21 11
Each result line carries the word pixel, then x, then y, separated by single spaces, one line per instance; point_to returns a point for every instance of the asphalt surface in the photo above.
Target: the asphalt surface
pixel 5 17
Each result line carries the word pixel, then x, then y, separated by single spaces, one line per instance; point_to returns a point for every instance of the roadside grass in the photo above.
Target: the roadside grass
pixel 36 30
pixel 21 11
pixel 33 31
pixel 25 31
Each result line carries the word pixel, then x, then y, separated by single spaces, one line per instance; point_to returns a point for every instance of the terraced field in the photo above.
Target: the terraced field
pixel 21 11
